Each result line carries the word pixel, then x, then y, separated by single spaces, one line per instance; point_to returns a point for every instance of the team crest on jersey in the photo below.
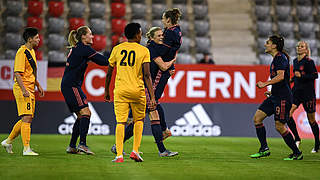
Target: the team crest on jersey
pixel 301 68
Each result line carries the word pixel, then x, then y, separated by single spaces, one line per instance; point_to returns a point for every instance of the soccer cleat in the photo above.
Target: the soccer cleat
pixel 118 159
pixel 7 147
pixel 294 157
pixel 298 144
pixel 165 134
pixel 167 153
pixel 72 150
pixel 29 152
pixel 314 150
pixel 85 149
pixel 114 150
pixel 262 153
pixel 136 157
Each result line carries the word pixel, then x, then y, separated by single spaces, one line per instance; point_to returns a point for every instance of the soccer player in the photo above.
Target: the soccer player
pixel 25 72
pixel 171 44
pixel 157 66
pixel 132 61
pixel 278 102
pixel 305 73
pixel 80 54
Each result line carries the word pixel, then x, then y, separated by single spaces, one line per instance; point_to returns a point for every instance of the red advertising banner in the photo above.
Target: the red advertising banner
pixel 190 84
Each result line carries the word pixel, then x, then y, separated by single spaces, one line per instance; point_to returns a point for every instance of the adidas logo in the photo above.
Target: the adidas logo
pixel 195 123
pixel 96 125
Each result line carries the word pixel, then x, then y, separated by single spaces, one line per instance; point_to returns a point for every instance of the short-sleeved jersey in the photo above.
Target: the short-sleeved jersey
pixel 128 57
pixel 77 63
pixel 282 88
pixel 22 65
pixel 308 72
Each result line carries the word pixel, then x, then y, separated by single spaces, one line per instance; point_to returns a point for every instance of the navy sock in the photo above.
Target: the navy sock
pixel 315 131
pixel 75 133
pixel 128 132
pixel 162 118
pixel 292 126
pixel 261 133
pixel 84 127
pixel 288 138
pixel 157 134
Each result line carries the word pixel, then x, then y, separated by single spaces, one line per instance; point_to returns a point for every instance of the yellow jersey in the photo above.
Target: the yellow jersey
pixel 128 58
pixel 22 65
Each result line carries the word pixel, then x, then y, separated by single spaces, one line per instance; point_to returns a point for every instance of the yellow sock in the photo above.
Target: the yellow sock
pixel 14 132
pixel 137 135
pixel 25 134
pixel 119 138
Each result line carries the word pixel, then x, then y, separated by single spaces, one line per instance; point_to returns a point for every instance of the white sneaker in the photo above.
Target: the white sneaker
pixel 29 152
pixel 7 147
pixel 314 151
pixel 298 144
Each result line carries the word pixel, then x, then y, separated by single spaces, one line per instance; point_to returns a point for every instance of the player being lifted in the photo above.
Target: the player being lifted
pixel 80 54
pixel 132 63
pixel 305 73
pixel 279 100
pixel 25 72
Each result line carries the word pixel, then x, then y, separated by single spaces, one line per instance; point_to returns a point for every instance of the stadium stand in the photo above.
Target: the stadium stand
pixel 294 19
pixel 55 19
pixel 35 8
pixel 56 8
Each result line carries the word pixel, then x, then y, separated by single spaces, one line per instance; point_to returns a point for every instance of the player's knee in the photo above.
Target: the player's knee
pixel 85 112
pixel 154 122
pixel 311 118
pixel 280 127
pixel 27 118
pixel 257 120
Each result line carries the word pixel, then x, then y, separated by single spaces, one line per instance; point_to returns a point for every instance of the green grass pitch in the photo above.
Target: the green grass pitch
pixel 199 158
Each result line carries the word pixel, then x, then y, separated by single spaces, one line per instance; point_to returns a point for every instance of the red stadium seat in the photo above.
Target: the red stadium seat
pixel 39 55
pixel 118 26
pixel 34 22
pixel 118 10
pixel 41 41
pixel 116 39
pixel 56 8
pixel 75 23
pixel 99 42
pixel 117 1
pixel 35 8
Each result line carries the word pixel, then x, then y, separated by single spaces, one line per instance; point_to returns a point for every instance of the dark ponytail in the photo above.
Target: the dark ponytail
pixel 174 15
pixel 279 42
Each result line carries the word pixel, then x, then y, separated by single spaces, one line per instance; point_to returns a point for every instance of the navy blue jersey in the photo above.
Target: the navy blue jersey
pixel 282 88
pixel 308 73
pixel 172 42
pixel 154 53
pixel 77 63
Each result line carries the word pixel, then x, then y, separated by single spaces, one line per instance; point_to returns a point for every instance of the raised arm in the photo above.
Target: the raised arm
pixel 279 77
pixel 163 65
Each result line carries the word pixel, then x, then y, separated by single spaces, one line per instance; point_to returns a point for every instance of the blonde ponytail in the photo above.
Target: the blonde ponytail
pixel 72 39
pixel 75 35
